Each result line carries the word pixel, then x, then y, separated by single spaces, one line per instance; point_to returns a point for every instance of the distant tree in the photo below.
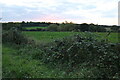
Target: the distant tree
pixel 61 27
pixel 7 26
pixel 114 28
pixel 92 28
pixel 23 24
pixel 70 26
pixel 67 26
pixel 100 28
pixel 84 27
pixel 53 27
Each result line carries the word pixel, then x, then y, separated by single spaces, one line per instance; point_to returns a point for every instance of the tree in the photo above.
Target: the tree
pixel 84 27
pixel 7 26
pixel 92 28
pixel 114 28
pixel 67 26
pixel 53 27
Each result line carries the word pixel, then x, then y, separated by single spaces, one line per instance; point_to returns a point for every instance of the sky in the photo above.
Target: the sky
pixel 103 12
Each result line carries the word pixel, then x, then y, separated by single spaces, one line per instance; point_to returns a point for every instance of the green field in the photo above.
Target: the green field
pixel 35 27
pixel 20 61
pixel 49 36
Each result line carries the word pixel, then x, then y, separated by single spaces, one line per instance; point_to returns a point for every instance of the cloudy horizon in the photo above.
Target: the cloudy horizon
pixel 101 12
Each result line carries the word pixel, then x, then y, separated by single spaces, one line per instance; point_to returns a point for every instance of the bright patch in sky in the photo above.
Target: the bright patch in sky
pixel 77 11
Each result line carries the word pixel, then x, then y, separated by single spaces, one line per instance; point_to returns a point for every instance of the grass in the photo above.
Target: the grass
pixel 16 66
pixel 113 37
pixel 36 27
pixel 49 36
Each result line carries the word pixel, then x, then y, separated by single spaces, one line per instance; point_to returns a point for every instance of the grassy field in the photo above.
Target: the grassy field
pixel 36 27
pixel 19 63
pixel 113 37
pixel 49 36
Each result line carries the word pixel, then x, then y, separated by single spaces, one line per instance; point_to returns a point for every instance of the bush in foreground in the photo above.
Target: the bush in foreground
pixel 14 36
pixel 78 49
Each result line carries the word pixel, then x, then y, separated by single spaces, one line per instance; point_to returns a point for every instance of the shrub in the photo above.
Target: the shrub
pixel 14 36
pixel 53 27
pixel 79 49
pixel 66 27
pixel 9 25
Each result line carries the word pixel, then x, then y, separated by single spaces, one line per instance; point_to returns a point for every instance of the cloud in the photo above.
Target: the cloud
pixel 78 11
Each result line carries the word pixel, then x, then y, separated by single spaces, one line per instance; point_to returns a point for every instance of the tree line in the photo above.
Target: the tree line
pixel 65 26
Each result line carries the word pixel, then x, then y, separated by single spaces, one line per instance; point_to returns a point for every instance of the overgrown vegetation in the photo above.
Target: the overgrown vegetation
pixel 77 56
pixel 76 27
pixel 78 49
pixel 14 35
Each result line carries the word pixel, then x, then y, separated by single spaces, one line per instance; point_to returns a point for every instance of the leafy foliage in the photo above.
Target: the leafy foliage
pixel 78 49
pixel 52 27
pixel 86 52
pixel 14 36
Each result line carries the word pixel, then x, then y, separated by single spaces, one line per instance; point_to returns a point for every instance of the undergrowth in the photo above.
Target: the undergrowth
pixel 76 56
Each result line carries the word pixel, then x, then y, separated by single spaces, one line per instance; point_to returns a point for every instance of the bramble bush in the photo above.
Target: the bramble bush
pixel 14 36
pixel 78 49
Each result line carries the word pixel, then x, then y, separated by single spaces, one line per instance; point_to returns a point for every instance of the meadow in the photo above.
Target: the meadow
pixel 49 36
pixel 35 27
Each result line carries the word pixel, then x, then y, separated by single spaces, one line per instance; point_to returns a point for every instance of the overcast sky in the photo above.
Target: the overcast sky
pixel 77 11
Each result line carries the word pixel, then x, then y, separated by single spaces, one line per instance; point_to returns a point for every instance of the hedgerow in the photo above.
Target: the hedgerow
pixel 14 36
pixel 77 49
